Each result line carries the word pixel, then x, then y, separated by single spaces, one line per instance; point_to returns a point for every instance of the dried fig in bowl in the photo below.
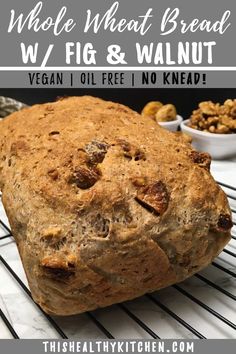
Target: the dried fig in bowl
pixel 151 109
pixel 166 113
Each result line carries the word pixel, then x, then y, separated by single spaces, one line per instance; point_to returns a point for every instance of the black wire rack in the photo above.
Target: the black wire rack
pixel 151 303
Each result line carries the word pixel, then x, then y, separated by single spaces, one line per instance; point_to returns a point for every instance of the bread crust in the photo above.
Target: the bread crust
pixel 104 204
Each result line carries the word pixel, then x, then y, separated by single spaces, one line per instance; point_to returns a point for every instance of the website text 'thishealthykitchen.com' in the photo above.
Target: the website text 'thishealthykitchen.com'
pixel 131 346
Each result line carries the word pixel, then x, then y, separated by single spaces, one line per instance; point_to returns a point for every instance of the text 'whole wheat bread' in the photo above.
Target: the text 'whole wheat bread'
pixel 104 204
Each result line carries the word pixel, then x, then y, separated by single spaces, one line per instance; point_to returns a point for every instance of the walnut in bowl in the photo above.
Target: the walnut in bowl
pixel 215 118
pixel 212 128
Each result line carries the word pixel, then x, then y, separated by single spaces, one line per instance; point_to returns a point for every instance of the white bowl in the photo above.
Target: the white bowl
pixel 173 124
pixel 219 146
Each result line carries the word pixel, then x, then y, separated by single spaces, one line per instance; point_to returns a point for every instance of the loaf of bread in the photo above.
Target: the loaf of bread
pixel 104 204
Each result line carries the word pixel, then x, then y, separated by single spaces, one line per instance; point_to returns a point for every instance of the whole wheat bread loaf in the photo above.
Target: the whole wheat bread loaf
pixel 104 204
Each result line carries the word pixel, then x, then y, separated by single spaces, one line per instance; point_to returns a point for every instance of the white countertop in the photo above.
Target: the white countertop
pixel 29 322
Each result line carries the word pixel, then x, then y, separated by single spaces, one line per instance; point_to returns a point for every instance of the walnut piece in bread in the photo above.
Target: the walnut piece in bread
pixel 104 204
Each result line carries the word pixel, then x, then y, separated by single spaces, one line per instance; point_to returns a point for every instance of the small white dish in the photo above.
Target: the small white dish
pixel 172 125
pixel 219 146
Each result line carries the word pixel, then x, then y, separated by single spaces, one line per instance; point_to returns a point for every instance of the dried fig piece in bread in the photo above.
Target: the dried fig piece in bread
pixel 224 223
pixel 85 177
pixel 203 159
pixel 154 197
pixel 130 151
pixel 57 268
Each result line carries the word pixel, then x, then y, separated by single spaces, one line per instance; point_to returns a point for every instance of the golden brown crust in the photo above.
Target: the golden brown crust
pixel 104 204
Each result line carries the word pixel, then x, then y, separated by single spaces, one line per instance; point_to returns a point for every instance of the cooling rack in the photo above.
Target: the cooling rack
pixel 202 307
